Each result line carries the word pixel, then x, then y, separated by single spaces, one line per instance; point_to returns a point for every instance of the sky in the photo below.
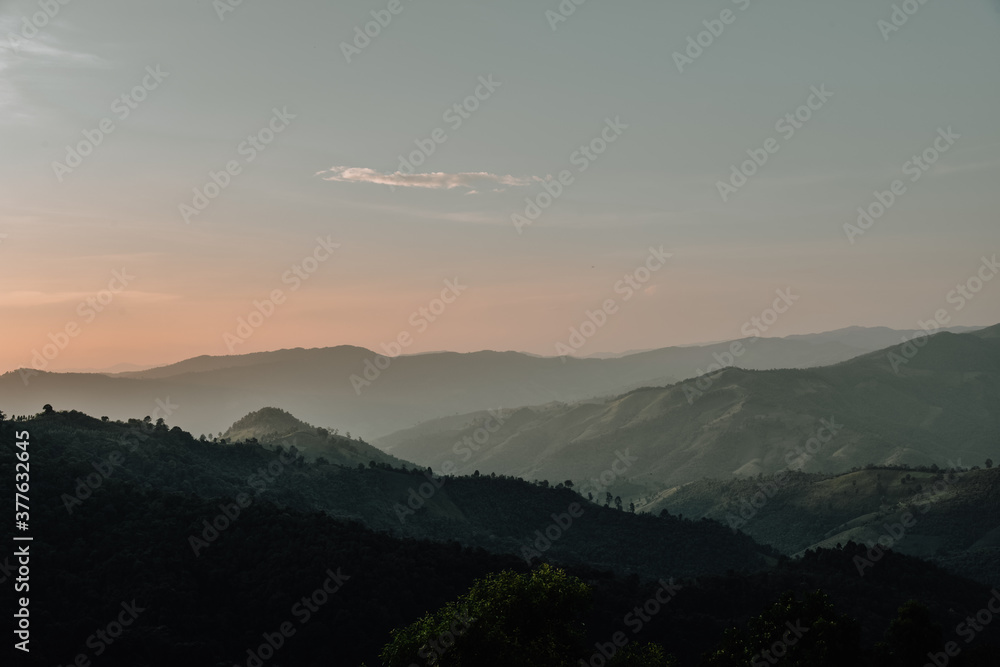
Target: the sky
pixel 192 178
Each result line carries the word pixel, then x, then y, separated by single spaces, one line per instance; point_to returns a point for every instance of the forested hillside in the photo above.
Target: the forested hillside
pixel 274 426
pixel 208 577
pixel 955 513
pixel 921 403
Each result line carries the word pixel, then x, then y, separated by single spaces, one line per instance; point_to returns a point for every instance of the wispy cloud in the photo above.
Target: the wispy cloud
pixel 40 53
pixel 470 180
pixel 39 49
pixel 24 60
pixel 968 166
pixel 22 299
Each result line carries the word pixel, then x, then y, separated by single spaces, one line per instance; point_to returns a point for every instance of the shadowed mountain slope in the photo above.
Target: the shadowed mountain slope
pixel 921 405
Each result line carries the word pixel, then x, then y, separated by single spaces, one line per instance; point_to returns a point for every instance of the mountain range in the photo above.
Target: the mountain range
pixel 355 389
pixel 925 402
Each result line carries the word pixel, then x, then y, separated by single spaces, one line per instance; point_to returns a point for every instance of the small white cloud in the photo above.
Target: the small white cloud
pixel 433 181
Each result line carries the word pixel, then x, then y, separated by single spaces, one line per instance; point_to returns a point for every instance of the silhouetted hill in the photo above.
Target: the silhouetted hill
pixel 502 515
pixel 157 534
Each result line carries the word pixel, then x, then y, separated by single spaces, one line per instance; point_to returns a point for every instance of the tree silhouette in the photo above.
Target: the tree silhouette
pixel 530 620
pixel 642 655
pixel 804 632
pixel 910 637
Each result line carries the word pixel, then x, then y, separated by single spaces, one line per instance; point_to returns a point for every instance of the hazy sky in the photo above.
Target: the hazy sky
pixel 161 95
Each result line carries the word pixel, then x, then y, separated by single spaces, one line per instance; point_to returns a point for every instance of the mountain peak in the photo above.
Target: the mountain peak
pixel 266 423
pixel 274 426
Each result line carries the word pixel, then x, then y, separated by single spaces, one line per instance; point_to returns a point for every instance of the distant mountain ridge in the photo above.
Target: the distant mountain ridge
pixel 921 403
pixel 206 363
pixel 318 385
pixel 861 338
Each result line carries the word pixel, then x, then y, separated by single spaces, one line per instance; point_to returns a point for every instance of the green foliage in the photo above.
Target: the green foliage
pixel 910 637
pixel 642 655
pixel 533 620
pixel 955 512
pixel 804 632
